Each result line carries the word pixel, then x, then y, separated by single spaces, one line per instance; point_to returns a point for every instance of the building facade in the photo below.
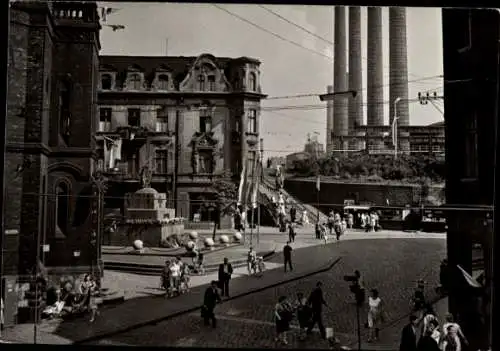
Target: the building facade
pixel 185 120
pixel 471 55
pixel 53 67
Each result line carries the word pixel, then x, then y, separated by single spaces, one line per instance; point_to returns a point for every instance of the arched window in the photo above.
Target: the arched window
pixel 252 82
pixel 201 82
pixel 163 82
pixel 62 206
pixel 135 81
pixel 106 81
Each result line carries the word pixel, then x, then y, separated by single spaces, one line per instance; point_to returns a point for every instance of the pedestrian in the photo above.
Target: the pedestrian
pixel 374 315
pixel 331 222
pixel 305 219
pixel 427 316
pixel 293 214
pixel 225 272
pixel 87 291
pixel 427 342
pixel 93 292
pixel 316 301
pixel 175 275
pixel 291 232
pixel 251 257
pixel 287 255
pixel 451 326
pixel 185 278
pixel 165 278
pixel 210 300
pixel 350 220
pixel 282 316
pixel 303 314
pixel 449 342
pixel 409 335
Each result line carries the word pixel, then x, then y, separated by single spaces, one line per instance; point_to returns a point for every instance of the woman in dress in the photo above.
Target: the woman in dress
pixel 282 317
pixel 88 290
pixel 374 315
pixel 453 330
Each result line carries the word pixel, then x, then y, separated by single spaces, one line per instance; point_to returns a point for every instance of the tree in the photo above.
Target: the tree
pixel 224 200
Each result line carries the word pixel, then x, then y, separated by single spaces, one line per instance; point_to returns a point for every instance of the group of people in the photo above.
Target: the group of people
pixel 432 338
pixel 307 311
pixel 68 301
pixel 175 277
pixel 369 221
pixel 255 263
pixel 423 331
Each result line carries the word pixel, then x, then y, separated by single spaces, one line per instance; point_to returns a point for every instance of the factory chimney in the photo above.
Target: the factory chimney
pixel 375 75
pixel 340 121
pixel 398 72
pixel 355 77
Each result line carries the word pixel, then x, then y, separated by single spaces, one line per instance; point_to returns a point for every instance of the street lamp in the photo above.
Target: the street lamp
pixel 395 127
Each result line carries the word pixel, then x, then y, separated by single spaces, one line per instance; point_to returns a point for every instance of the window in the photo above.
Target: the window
pixel 64 110
pixel 134 117
pixel 162 124
pixel 252 82
pixel 134 81
pixel 106 81
pixel 211 83
pixel 62 208
pixel 201 82
pixel 161 158
pixel 205 121
pixel 162 82
pixel 205 162
pixel 105 119
pixel 252 121
pixel 237 126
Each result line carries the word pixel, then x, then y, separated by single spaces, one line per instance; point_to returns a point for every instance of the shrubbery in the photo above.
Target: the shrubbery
pixel 408 168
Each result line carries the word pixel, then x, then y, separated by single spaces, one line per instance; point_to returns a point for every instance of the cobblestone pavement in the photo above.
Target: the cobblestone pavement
pixel 391 266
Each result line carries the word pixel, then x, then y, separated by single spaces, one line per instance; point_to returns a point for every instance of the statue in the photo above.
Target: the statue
pixel 145 175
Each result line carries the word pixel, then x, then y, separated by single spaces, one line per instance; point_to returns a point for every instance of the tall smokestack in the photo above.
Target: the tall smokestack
pixel 340 123
pixel 329 121
pixel 398 68
pixel 375 68
pixel 355 76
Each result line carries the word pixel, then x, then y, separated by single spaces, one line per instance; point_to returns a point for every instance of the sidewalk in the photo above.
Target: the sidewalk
pixel 142 311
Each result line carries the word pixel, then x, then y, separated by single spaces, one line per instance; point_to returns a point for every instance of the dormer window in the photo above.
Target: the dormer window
pixel 252 81
pixel 134 81
pixel 163 82
pixel 211 82
pixel 201 82
pixel 106 81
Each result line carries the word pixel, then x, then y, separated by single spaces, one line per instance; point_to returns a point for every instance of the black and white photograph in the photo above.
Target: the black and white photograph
pixel 268 176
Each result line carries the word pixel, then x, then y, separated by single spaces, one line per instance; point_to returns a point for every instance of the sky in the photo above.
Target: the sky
pixel 305 67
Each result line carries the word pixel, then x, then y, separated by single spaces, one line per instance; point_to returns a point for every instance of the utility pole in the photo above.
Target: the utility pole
pixel 177 151
pixel 261 180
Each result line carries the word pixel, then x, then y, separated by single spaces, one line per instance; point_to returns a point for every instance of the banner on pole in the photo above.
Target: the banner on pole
pixel 318 183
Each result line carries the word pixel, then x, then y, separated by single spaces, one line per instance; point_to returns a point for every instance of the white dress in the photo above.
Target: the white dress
pixel 457 330
pixel 374 311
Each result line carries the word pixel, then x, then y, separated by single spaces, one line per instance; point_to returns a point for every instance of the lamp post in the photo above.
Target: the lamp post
pixel 395 127
pixel 261 176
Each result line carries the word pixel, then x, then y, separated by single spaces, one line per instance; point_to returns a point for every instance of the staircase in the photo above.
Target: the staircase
pixel 268 190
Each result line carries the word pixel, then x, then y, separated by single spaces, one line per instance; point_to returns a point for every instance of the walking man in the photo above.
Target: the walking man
pixel 209 302
pixel 293 214
pixel 317 301
pixel 287 254
pixel 291 232
pixel 409 335
pixel 225 272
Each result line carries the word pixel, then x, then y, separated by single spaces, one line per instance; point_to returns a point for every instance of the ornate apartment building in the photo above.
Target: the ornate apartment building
pixel 185 120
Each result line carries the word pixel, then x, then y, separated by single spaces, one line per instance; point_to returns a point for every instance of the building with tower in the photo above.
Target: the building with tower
pixel 185 119
pixel 50 217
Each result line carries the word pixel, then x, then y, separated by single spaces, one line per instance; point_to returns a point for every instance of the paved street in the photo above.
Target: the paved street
pixel 392 266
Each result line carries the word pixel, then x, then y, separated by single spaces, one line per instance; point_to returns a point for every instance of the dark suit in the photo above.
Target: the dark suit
pixel 316 301
pixel 224 278
pixel 427 343
pixel 209 302
pixel 408 339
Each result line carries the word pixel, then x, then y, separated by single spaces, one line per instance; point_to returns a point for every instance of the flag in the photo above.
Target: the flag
pixel 255 182
pixel 318 183
pixel 241 188
pixel 469 279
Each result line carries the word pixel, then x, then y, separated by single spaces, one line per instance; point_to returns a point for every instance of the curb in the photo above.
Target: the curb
pixel 150 269
pixel 194 309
